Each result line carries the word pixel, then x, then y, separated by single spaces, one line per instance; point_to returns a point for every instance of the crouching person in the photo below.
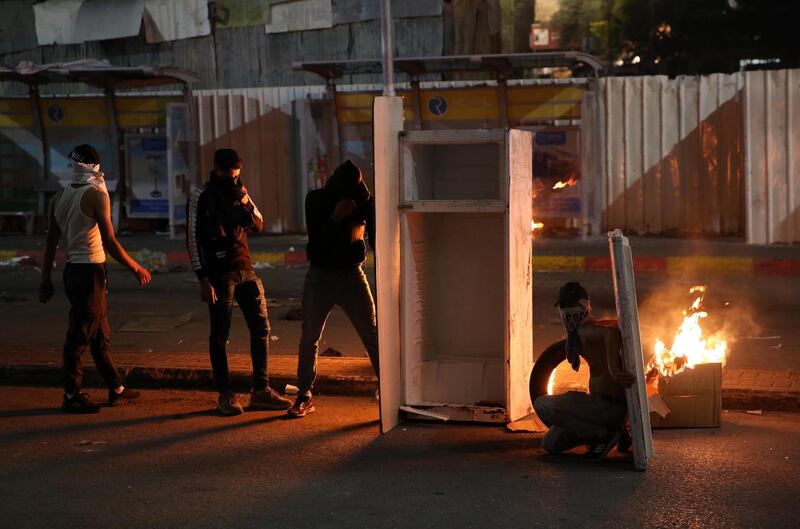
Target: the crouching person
pixel 220 213
pixel 597 418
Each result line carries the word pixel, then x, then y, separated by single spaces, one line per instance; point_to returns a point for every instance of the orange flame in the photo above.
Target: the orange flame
pixel 689 347
pixel 536 225
pixel 568 183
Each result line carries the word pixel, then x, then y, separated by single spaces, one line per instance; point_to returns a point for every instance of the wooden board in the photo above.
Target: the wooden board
pixel 632 357
pixel 519 275
pixel 388 122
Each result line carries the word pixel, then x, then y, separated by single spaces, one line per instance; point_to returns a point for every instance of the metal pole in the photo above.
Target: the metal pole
pixel 387 43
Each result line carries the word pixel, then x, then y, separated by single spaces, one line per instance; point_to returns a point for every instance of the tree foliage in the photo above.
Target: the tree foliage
pixel 686 36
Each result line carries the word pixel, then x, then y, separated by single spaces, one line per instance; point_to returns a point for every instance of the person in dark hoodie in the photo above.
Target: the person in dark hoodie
pixel 338 217
pixel 220 214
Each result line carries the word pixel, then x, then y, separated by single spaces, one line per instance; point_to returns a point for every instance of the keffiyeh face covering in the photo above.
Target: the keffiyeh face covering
pixel 84 173
pixel 573 318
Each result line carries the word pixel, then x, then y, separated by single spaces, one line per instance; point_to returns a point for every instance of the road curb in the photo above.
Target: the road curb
pixel 180 378
pixel 674 266
pixel 201 379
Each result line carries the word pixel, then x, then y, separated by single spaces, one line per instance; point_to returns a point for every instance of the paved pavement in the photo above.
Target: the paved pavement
pixel 757 313
pixel 170 462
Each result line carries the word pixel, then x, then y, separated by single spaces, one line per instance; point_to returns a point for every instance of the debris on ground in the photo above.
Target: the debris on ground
pixel 294 314
pixel 155 322
pixel 262 264
pixel 330 351
pixel 154 261
pixel 274 338
pixel 86 442
pixel 290 389
pixel 10 298
pixel 755 412
pixel 14 261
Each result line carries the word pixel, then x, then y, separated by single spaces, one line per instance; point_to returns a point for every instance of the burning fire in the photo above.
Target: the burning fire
pixel 689 347
pixel 536 225
pixel 568 183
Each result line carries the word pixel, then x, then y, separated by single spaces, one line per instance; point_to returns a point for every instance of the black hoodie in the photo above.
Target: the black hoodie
pixel 338 245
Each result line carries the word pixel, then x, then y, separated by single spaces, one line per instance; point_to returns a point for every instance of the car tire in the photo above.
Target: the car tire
pixel 544 367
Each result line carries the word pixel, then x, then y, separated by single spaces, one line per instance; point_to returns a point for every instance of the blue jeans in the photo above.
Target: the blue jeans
pixel 322 290
pixel 246 288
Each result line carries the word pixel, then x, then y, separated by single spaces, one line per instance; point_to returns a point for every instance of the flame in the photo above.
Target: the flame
pixel 689 347
pixel 551 382
pixel 568 183
pixel 536 225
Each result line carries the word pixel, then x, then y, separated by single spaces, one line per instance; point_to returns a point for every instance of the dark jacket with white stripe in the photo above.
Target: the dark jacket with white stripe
pixel 213 256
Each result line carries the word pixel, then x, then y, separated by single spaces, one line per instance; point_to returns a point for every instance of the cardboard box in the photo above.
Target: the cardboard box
pixel 694 398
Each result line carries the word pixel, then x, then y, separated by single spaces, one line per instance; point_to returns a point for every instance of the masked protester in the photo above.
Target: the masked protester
pixel 596 418
pixel 338 217
pixel 81 212
pixel 220 214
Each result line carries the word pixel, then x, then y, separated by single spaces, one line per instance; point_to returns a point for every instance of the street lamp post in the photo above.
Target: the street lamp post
pixel 387 43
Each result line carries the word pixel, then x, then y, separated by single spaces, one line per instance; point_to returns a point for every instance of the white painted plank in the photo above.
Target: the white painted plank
pixel 634 184
pixel 615 152
pixel 519 280
pixel 632 354
pixel 651 151
pixel 756 199
pixel 387 124
pixel 777 179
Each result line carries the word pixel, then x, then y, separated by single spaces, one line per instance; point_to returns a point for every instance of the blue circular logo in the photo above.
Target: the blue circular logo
pixel 55 112
pixel 437 105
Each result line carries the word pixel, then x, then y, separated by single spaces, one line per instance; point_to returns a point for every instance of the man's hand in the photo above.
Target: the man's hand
pixel 45 291
pixel 344 208
pixel 245 196
pixel 142 275
pixel 207 292
pixel 624 379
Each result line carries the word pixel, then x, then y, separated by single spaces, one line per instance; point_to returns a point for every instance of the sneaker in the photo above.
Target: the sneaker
pixel 228 404
pixel 599 449
pixel 126 395
pixel 302 407
pixel 268 399
pixel 79 403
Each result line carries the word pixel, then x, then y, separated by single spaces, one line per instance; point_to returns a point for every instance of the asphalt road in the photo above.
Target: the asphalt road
pixel 170 462
pixel 760 318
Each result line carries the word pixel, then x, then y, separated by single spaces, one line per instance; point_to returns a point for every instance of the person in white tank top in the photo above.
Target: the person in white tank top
pixel 81 212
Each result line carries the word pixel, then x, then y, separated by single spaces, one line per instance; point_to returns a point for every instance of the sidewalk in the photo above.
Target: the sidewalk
pixel 659 256
pixel 741 388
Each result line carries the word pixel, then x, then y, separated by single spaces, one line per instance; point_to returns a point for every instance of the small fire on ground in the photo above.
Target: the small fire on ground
pixel 689 346
pixel 569 183
pixel 536 225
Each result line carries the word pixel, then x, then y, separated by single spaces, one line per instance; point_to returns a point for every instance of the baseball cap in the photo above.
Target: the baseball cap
pixel 85 154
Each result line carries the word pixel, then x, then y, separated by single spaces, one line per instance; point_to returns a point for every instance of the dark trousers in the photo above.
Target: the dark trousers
pixel 246 288
pixel 577 418
pixel 322 290
pixel 85 285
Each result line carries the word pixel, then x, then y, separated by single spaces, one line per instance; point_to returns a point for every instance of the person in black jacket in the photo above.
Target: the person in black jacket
pixel 220 214
pixel 338 217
